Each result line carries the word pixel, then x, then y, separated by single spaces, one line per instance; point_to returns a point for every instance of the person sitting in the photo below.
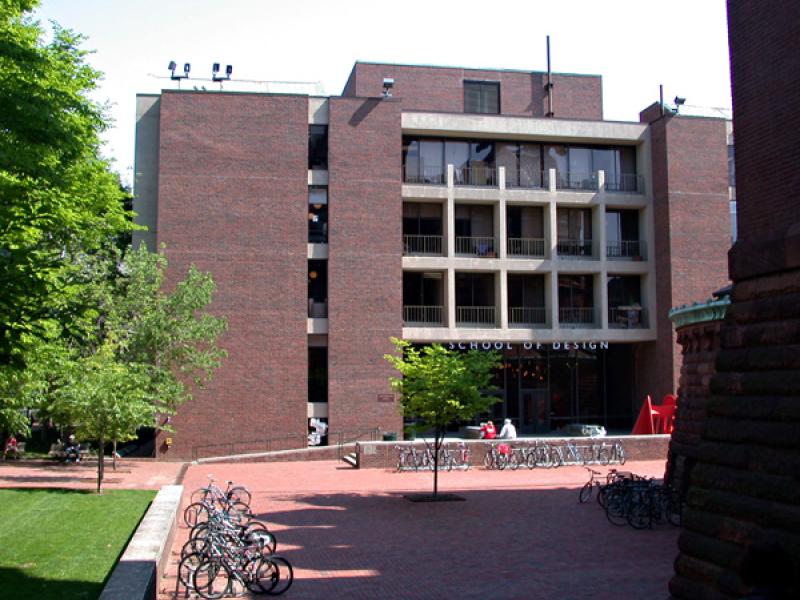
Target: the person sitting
pixel 12 448
pixel 72 451
pixel 488 432
pixel 508 432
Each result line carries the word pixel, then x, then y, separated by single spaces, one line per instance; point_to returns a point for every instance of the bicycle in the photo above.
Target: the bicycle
pixel 588 488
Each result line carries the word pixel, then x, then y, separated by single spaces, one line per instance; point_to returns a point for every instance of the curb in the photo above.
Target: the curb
pixel 136 575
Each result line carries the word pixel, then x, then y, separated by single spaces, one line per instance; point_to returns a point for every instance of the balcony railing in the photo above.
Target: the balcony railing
pixel 576 181
pixel 476 246
pixel 627 317
pixel 317 309
pixel 423 315
pixel 436 175
pixel 575 248
pixel 526 316
pixel 526 178
pixel 625 182
pixel 476 316
pixel 475 176
pixel 525 247
pixel 631 249
pixel 422 245
pixel 576 317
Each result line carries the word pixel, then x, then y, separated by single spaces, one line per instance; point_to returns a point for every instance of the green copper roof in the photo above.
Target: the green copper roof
pixel 699 312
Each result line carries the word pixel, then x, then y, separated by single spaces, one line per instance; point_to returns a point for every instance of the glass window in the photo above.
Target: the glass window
pixel 318 280
pixel 555 157
pixel 422 218
pixel 574 224
pixel 318 223
pixel 575 291
pixel 431 165
pixel 507 157
pixel 624 290
pixel 530 165
pixel 411 161
pixel 607 160
pixel 317 374
pixel 731 166
pixel 482 97
pixel 526 290
pixel 317 146
pixel 474 289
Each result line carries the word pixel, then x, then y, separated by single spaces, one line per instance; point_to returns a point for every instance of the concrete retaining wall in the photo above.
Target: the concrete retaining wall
pixel 136 575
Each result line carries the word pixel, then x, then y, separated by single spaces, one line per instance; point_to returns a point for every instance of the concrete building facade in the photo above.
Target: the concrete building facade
pixel 476 208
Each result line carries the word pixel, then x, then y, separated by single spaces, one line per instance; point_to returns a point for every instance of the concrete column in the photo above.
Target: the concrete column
pixel 552 224
pixel 503 287
pixel 451 298
pixel 450 215
pixel 602 288
pixel 500 226
pixel 551 184
pixel 552 284
pixel 501 177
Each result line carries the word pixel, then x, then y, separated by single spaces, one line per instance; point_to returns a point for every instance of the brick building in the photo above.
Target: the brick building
pixel 478 208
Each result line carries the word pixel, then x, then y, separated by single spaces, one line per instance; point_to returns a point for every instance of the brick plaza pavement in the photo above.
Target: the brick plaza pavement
pixel 351 534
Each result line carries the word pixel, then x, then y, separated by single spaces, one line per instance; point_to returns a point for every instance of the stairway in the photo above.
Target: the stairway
pixel 351 459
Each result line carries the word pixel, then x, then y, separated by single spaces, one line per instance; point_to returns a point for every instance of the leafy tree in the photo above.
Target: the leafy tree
pixel 438 387
pixel 59 201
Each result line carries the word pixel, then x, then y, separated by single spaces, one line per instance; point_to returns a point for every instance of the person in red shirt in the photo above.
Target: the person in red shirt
pixel 488 431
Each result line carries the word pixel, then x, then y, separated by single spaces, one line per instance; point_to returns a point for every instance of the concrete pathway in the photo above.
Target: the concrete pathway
pixel 131 473
pixel 351 534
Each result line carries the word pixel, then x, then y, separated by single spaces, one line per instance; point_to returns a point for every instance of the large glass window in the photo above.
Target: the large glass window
pixel 526 290
pixel 422 218
pixel 482 97
pixel 575 291
pixel 317 146
pixel 318 215
pixel 574 224
pixel 317 374
pixel 474 289
pixel 318 289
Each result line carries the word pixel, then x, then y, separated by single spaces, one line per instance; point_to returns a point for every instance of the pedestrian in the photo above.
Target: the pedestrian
pixel 508 432
pixel 72 451
pixel 12 447
pixel 488 432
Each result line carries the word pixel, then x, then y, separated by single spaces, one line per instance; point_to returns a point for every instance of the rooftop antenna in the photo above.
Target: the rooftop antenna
pixel 661 98
pixel 549 85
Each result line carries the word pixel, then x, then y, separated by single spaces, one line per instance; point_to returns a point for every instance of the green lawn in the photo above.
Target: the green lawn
pixel 62 544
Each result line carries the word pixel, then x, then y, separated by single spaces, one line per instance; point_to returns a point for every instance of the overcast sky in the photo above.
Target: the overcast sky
pixel 634 44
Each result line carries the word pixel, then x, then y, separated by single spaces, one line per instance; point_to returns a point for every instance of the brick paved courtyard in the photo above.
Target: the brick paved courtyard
pixel 351 534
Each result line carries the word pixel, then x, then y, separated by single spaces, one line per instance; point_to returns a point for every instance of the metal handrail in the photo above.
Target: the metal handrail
pixel 532 179
pixel 527 315
pixel 626 183
pixel 575 248
pixel 436 175
pixel 628 317
pixel 373 432
pixel 264 444
pixel 476 315
pixel 475 176
pixel 525 247
pixel 576 181
pixel 576 316
pixel 431 314
pixel 475 246
pixel 422 245
pixel 633 249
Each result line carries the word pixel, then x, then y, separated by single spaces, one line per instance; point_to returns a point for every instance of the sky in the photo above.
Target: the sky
pixel 634 44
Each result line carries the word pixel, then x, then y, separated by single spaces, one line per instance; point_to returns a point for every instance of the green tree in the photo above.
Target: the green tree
pixel 438 387
pixel 59 201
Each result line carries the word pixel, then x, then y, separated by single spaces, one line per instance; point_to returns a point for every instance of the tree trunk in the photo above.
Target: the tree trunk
pixel 100 464
pixel 114 455
pixel 436 444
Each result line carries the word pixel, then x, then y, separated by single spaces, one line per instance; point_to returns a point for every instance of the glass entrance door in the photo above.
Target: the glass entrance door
pixel 535 410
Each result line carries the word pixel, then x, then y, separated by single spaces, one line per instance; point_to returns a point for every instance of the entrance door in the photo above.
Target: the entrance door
pixel 535 410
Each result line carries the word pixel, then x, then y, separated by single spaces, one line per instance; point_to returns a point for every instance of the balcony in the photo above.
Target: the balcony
pixel 476 246
pixel 436 175
pixel 476 316
pixel 576 317
pixel 627 317
pixel 422 245
pixel 527 179
pixel 527 316
pixel 575 249
pixel 423 316
pixel 627 249
pixel 526 247
pixel 625 183
pixel 475 176
pixel 576 181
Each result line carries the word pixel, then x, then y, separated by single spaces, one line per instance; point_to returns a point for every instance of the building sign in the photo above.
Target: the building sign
pixel 528 345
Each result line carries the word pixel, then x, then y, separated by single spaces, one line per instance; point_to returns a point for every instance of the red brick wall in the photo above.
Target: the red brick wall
pixel 232 200
pixel 365 260
pixel 442 89
pixel 692 232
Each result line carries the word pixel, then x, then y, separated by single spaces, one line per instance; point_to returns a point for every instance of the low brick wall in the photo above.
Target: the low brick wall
pixel 383 455
pixel 303 454
pixel 137 573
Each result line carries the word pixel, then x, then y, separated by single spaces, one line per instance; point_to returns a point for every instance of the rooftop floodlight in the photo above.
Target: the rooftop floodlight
pixel 177 76
pixel 388 84
pixel 186 68
pixel 215 76
pixel 679 102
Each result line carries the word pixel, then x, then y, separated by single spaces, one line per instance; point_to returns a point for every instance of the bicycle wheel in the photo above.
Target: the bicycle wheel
pixel 285 575
pixel 586 492
pixel 200 495
pixel 239 493
pixel 640 515
pixel 616 509
pixel 513 461
pixel 194 514
pixel 502 461
pixel 187 567
pixel 488 461
pixel 239 513
pixel 621 454
pixel 601 496
pixel 211 579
